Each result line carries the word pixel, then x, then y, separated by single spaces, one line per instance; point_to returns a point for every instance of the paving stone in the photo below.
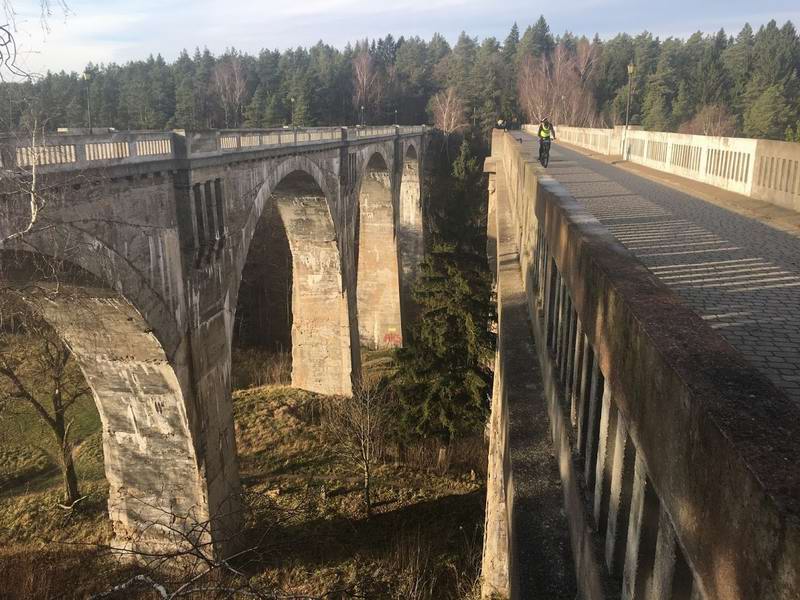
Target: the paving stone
pixel 740 275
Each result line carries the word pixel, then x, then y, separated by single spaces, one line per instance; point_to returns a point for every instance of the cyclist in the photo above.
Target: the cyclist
pixel 545 134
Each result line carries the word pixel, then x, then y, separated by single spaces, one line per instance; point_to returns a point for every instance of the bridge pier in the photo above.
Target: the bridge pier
pixel 410 234
pixel 378 278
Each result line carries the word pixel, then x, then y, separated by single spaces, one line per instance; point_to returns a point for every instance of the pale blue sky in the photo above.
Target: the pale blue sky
pixel 117 30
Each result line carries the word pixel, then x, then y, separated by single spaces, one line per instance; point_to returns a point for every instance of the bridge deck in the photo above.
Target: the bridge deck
pixel 738 274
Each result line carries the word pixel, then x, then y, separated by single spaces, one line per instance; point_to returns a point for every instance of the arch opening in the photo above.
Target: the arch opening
pixel 291 297
pixel 377 279
pixel 411 238
pixel 158 497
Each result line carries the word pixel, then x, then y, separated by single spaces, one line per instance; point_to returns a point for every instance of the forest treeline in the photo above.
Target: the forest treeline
pixel 747 84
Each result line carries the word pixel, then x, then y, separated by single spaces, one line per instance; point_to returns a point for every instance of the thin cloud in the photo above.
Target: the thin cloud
pixel 126 30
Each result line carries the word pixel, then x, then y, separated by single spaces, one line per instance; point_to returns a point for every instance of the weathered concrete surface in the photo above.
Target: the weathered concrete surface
pixel 321 357
pixel 740 276
pixel 761 169
pixel 674 432
pixel 149 456
pixel 526 550
pixel 165 231
pixel 410 236
pixel 378 283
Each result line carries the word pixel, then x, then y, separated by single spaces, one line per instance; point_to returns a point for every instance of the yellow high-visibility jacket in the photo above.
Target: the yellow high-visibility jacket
pixel 546 133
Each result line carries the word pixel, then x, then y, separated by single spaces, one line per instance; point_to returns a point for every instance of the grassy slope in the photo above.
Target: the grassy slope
pixel 423 522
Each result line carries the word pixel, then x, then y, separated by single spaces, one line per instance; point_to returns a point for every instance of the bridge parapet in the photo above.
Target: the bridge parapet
pixel 64 152
pixel 762 169
pixel 677 457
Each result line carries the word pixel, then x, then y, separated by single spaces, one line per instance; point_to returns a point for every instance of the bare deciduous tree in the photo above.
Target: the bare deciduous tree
pixel 37 370
pixel 357 426
pixel 230 84
pixel 447 109
pixel 712 119
pixel 558 87
pixel 368 88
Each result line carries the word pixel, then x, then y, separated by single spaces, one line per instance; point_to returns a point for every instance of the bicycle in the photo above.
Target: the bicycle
pixel 544 151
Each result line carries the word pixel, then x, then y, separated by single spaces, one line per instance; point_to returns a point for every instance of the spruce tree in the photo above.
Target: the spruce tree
pixel 768 116
pixel 443 381
pixel 256 111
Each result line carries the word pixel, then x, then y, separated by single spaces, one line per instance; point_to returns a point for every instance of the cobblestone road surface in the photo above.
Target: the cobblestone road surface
pixel 741 276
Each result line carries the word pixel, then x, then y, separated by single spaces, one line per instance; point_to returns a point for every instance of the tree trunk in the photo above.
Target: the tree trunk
pixel 367 499
pixel 70 478
pixel 71 492
pixel 442 459
pixel 401 454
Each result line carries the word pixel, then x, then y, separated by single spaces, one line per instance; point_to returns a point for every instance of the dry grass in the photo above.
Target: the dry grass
pixel 422 542
pixel 256 367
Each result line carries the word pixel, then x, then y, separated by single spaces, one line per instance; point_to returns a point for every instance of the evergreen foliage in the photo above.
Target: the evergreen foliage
pixel 754 76
pixel 443 381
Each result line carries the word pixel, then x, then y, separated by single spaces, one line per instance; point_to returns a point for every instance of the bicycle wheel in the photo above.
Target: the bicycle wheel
pixel 545 157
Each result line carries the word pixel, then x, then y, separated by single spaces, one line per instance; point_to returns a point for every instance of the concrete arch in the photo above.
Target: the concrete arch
pixel 273 175
pixel 296 210
pixel 106 254
pixel 410 234
pixel 159 488
pixel 377 279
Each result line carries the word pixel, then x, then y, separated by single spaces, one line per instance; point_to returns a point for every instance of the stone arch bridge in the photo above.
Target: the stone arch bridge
pixel 146 246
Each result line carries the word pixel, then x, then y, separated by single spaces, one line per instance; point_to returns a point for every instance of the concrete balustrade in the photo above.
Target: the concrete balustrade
pixel 677 457
pixel 761 169
pixel 68 151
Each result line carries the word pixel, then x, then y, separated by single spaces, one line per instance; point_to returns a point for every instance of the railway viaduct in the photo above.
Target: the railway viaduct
pixel 146 244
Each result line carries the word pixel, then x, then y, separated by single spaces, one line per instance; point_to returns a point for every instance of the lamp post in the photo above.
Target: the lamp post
pixel 87 77
pixel 362 115
pixel 395 116
pixel 291 112
pixel 631 73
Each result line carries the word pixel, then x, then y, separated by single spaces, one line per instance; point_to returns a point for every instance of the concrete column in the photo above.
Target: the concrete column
pixel 556 322
pixel 495 561
pixel 619 504
pixel 321 357
pixel 587 365
pixel 593 423
pixel 576 374
pixel 410 238
pixel 605 460
pixel 551 300
pixel 378 280
pixel 569 361
pixel 642 533
pixel 671 576
pixel 562 317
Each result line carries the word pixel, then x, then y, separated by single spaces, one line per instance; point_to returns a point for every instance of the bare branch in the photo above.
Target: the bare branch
pixel 448 111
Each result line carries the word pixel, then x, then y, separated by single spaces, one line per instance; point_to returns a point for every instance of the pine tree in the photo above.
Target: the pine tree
pixel 768 116
pixel 185 105
pixel 655 110
pixel 443 381
pixel 256 111
pixel 511 44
